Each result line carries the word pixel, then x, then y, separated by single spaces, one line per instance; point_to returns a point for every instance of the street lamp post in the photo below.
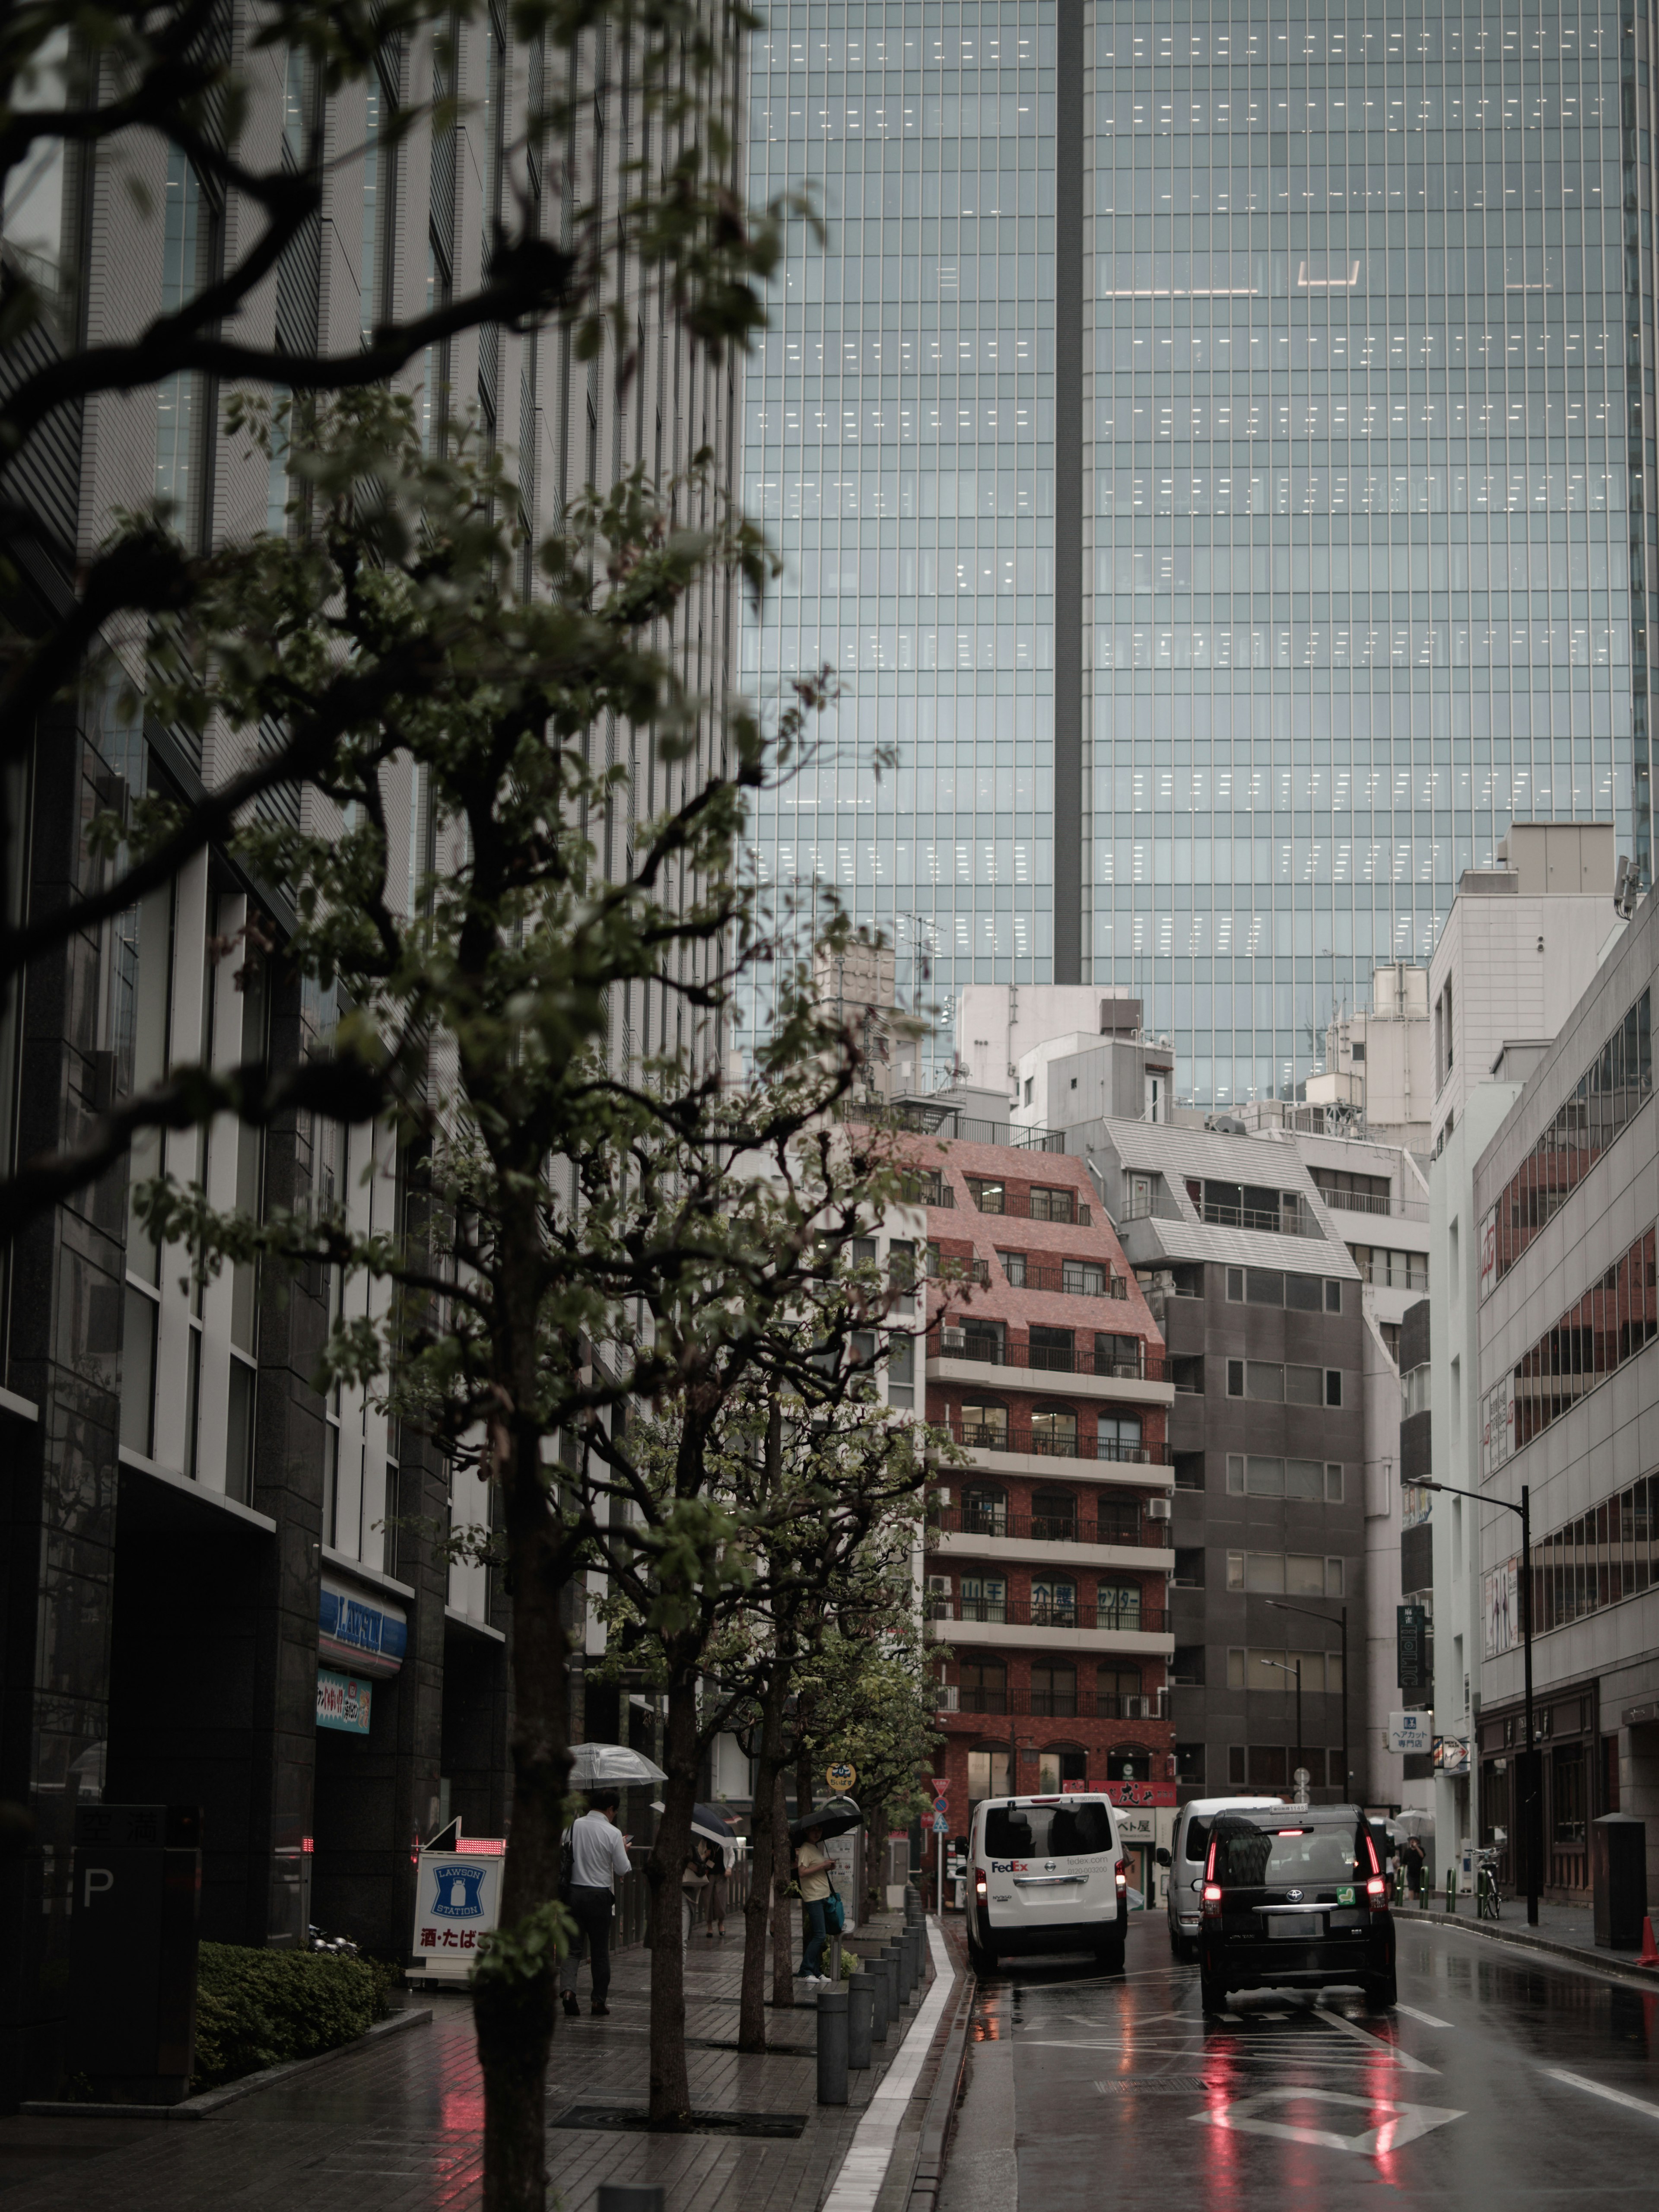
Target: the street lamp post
pixel 1533 1805
pixel 1293 1667
pixel 1280 1605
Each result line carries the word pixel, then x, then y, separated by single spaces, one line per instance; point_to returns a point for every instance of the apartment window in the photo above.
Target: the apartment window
pixel 985 1425
pixel 984 1686
pixel 1118 1606
pixel 902 1264
pixel 1257 1475
pixel 1080 1279
pixel 1053 1205
pixel 1119 1436
pixel 1273 1672
pixel 1358 1193
pixel 1273 1383
pixel 1268 1286
pixel 1054 1690
pixel 1054 1602
pixel 987 1769
pixel 1285 1574
pixel 1246 1206
pixel 988 1196
pixel 984 1597
pixel 1013 1266
pixel 1054 1431
pixel 1053 1514
pixel 984 1510
pixel 901 1371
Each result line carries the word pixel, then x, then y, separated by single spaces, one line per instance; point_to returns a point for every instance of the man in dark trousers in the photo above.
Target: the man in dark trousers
pixel 1416 1859
pixel 597 1855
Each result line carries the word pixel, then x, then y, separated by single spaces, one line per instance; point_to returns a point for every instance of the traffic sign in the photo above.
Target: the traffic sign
pixel 941 1804
pixel 940 1784
pixel 841 1776
pixel 941 1824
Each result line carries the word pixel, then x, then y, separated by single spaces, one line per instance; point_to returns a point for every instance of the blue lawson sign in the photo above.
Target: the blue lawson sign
pixel 362 1634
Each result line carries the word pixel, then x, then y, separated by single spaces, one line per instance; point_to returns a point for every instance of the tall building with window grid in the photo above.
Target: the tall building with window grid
pixel 1212 448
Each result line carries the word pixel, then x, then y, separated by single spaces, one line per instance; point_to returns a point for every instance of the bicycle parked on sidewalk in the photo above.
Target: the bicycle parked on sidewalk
pixel 1486 1898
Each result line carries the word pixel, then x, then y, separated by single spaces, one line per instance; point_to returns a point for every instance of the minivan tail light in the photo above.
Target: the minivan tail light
pixel 979 1881
pixel 1123 1874
pixel 1376 1893
pixel 1212 1901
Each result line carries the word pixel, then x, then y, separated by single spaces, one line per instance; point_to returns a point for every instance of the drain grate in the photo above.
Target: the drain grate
pixel 633 2119
pixel 1157 2085
pixel 772 2050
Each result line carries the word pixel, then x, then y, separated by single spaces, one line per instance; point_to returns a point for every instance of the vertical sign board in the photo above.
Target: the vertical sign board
pixel 848 1852
pixel 1411 1629
pixel 457 1901
pixel 1500 1608
pixel 136 1873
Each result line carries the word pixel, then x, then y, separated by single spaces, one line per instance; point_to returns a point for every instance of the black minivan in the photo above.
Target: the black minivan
pixel 1294 1899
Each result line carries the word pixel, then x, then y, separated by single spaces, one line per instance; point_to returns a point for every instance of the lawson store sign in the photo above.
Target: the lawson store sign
pixel 357 1633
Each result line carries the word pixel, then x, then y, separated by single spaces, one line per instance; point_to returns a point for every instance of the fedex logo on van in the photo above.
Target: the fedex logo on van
pixel 1010 1866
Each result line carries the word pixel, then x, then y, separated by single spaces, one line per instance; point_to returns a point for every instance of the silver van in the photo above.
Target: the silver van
pixel 1046 1874
pixel 1185 1861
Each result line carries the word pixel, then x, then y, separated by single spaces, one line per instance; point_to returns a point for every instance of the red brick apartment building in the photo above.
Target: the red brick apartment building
pixel 1046 1571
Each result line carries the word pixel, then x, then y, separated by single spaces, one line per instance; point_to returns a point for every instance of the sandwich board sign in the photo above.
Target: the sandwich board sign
pixel 457 1902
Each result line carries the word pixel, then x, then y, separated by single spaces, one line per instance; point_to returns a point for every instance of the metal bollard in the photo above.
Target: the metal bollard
pixel 877 1971
pixel 860 2018
pixel 894 1954
pixel 630 2196
pixel 920 1942
pixel 832 2046
pixel 1451 1888
pixel 912 1902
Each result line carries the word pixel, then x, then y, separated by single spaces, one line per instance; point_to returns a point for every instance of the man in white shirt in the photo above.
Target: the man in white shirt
pixel 597 1855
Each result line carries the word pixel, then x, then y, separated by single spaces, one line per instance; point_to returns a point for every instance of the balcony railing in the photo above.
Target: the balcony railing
pixel 1276 1221
pixel 948 1343
pixel 1108 1525
pixel 1068 1282
pixel 1055 1443
pixel 1105 1613
pixel 1062 1208
pixel 1365 1201
pixel 1051 1705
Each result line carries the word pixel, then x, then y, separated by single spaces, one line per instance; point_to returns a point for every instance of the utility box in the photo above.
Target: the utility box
pixel 137 1875
pixel 1618 1879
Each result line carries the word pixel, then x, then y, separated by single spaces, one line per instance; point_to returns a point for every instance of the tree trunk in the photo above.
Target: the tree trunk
pixel 756 1912
pixel 670 2089
pixel 513 2010
pixel 783 1977
pixel 875 1864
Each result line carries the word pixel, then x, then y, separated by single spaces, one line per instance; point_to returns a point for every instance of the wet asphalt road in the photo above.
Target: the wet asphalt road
pixel 1501 2080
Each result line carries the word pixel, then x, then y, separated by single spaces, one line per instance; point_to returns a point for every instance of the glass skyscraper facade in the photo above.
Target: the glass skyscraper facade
pixel 1216 450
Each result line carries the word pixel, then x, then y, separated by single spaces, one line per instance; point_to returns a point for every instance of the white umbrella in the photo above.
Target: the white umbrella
pixel 593 1764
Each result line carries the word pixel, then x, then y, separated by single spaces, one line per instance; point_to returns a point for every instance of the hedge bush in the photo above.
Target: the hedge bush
pixel 257 2009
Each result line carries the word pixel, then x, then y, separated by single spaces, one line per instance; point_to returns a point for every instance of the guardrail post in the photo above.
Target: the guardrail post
pixel 877 1970
pixel 832 2046
pixel 1451 1889
pixel 860 2018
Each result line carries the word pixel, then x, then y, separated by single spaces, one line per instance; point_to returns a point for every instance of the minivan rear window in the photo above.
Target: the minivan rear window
pixel 1198 1839
pixel 1273 1860
pixel 1047 1832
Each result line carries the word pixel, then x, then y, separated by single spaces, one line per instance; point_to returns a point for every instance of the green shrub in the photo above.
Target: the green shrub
pixel 257 2009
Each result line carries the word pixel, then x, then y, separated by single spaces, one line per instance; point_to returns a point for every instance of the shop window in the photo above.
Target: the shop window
pixel 1128 1763
pixel 987 1772
pixel 1059 1765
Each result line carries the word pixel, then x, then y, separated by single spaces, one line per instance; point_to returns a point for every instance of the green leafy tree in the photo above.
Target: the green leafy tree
pixel 598 1234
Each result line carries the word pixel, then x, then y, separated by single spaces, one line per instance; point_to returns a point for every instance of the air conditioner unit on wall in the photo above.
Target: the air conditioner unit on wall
pixel 1157 1509
pixel 953 1339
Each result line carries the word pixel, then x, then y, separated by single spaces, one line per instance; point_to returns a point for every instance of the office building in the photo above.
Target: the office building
pixel 1049 1567
pixel 1260 1306
pixel 218 1587
pixel 1523 942
pixel 1212 454
pixel 1564 1201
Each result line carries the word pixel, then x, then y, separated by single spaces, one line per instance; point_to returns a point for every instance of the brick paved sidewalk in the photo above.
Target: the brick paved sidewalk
pixel 398 2127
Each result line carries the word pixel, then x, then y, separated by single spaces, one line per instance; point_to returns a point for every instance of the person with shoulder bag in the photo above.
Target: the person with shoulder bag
pixel 817 1891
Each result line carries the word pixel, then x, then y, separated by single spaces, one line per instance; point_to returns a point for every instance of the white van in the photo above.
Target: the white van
pixel 1046 1874
pixel 1185 1860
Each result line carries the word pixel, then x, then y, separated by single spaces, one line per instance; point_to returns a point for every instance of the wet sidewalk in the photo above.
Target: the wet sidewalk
pixel 398 2125
pixel 1564 1930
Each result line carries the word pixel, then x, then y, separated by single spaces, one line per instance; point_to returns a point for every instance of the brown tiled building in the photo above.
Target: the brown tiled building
pixel 1047 1572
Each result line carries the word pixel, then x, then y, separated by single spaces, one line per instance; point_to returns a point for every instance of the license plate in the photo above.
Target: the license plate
pixel 1295 1927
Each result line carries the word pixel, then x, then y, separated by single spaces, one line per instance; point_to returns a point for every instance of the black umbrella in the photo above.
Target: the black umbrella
pixel 829 1823
pixel 706 1821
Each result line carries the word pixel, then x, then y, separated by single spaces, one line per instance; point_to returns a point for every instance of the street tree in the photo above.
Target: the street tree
pixel 589 1230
